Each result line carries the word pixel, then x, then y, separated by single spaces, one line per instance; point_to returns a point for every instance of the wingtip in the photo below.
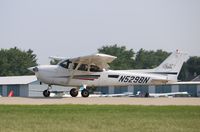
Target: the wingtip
pixel 107 55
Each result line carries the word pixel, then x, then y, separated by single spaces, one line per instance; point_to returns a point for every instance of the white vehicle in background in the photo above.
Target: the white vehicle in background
pixel 92 71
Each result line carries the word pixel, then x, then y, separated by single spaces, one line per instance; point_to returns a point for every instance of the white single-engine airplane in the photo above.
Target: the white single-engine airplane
pixel 92 70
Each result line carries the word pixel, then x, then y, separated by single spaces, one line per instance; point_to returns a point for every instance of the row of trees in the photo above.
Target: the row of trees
pixel 14 61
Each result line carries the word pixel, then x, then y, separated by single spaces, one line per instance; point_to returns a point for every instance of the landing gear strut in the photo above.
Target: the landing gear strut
pixel 46 92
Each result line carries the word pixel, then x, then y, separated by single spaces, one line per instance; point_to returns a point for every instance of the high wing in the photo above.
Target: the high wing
pixel 100 60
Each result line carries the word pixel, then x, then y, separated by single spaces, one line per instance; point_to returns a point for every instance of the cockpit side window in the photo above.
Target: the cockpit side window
pixel 65 64
pixel 75 65
pixel 94 68
pixel 83 67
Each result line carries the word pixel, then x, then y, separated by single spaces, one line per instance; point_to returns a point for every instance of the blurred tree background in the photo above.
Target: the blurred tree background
pixel 125 58
pixel 14 61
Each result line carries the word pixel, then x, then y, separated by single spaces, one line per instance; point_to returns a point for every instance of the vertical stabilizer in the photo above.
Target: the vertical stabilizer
pixel 172 65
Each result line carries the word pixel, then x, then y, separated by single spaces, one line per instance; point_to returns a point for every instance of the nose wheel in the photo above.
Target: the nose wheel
pixel 46 92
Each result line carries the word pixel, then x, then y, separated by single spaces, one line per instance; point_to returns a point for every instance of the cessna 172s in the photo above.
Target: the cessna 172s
pixel 92 70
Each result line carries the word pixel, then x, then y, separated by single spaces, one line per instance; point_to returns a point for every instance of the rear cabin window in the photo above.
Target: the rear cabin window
pixel 94 68
pixel 84 67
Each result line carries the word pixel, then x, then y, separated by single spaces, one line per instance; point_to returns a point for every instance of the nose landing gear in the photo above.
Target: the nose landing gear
pixel 46 92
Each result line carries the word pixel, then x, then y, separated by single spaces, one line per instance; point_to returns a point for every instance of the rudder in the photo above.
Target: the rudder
pixel 172 65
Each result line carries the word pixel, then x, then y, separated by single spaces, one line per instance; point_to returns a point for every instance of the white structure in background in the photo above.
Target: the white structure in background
pixel 24 86
pixel 29 86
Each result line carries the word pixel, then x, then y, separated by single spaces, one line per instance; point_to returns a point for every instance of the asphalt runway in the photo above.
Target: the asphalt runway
pixel 100 101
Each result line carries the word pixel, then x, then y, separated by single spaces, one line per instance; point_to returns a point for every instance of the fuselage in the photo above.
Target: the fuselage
pixel 57 75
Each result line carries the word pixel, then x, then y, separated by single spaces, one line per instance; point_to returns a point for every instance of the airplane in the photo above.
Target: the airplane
pixel 156 95
pixel 93 70
pixel 173 94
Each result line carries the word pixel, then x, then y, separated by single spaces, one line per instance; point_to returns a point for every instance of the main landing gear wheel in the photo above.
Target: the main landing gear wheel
pixel 46 93
pixel 73 92
pixel 85 93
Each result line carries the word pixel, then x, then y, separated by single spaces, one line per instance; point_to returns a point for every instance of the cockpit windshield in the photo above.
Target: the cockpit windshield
pixel 65 64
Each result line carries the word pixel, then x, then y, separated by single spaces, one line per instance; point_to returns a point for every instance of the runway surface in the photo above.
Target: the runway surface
pixel 100 101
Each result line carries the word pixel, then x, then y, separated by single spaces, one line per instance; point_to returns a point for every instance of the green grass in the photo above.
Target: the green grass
pixel 99 118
